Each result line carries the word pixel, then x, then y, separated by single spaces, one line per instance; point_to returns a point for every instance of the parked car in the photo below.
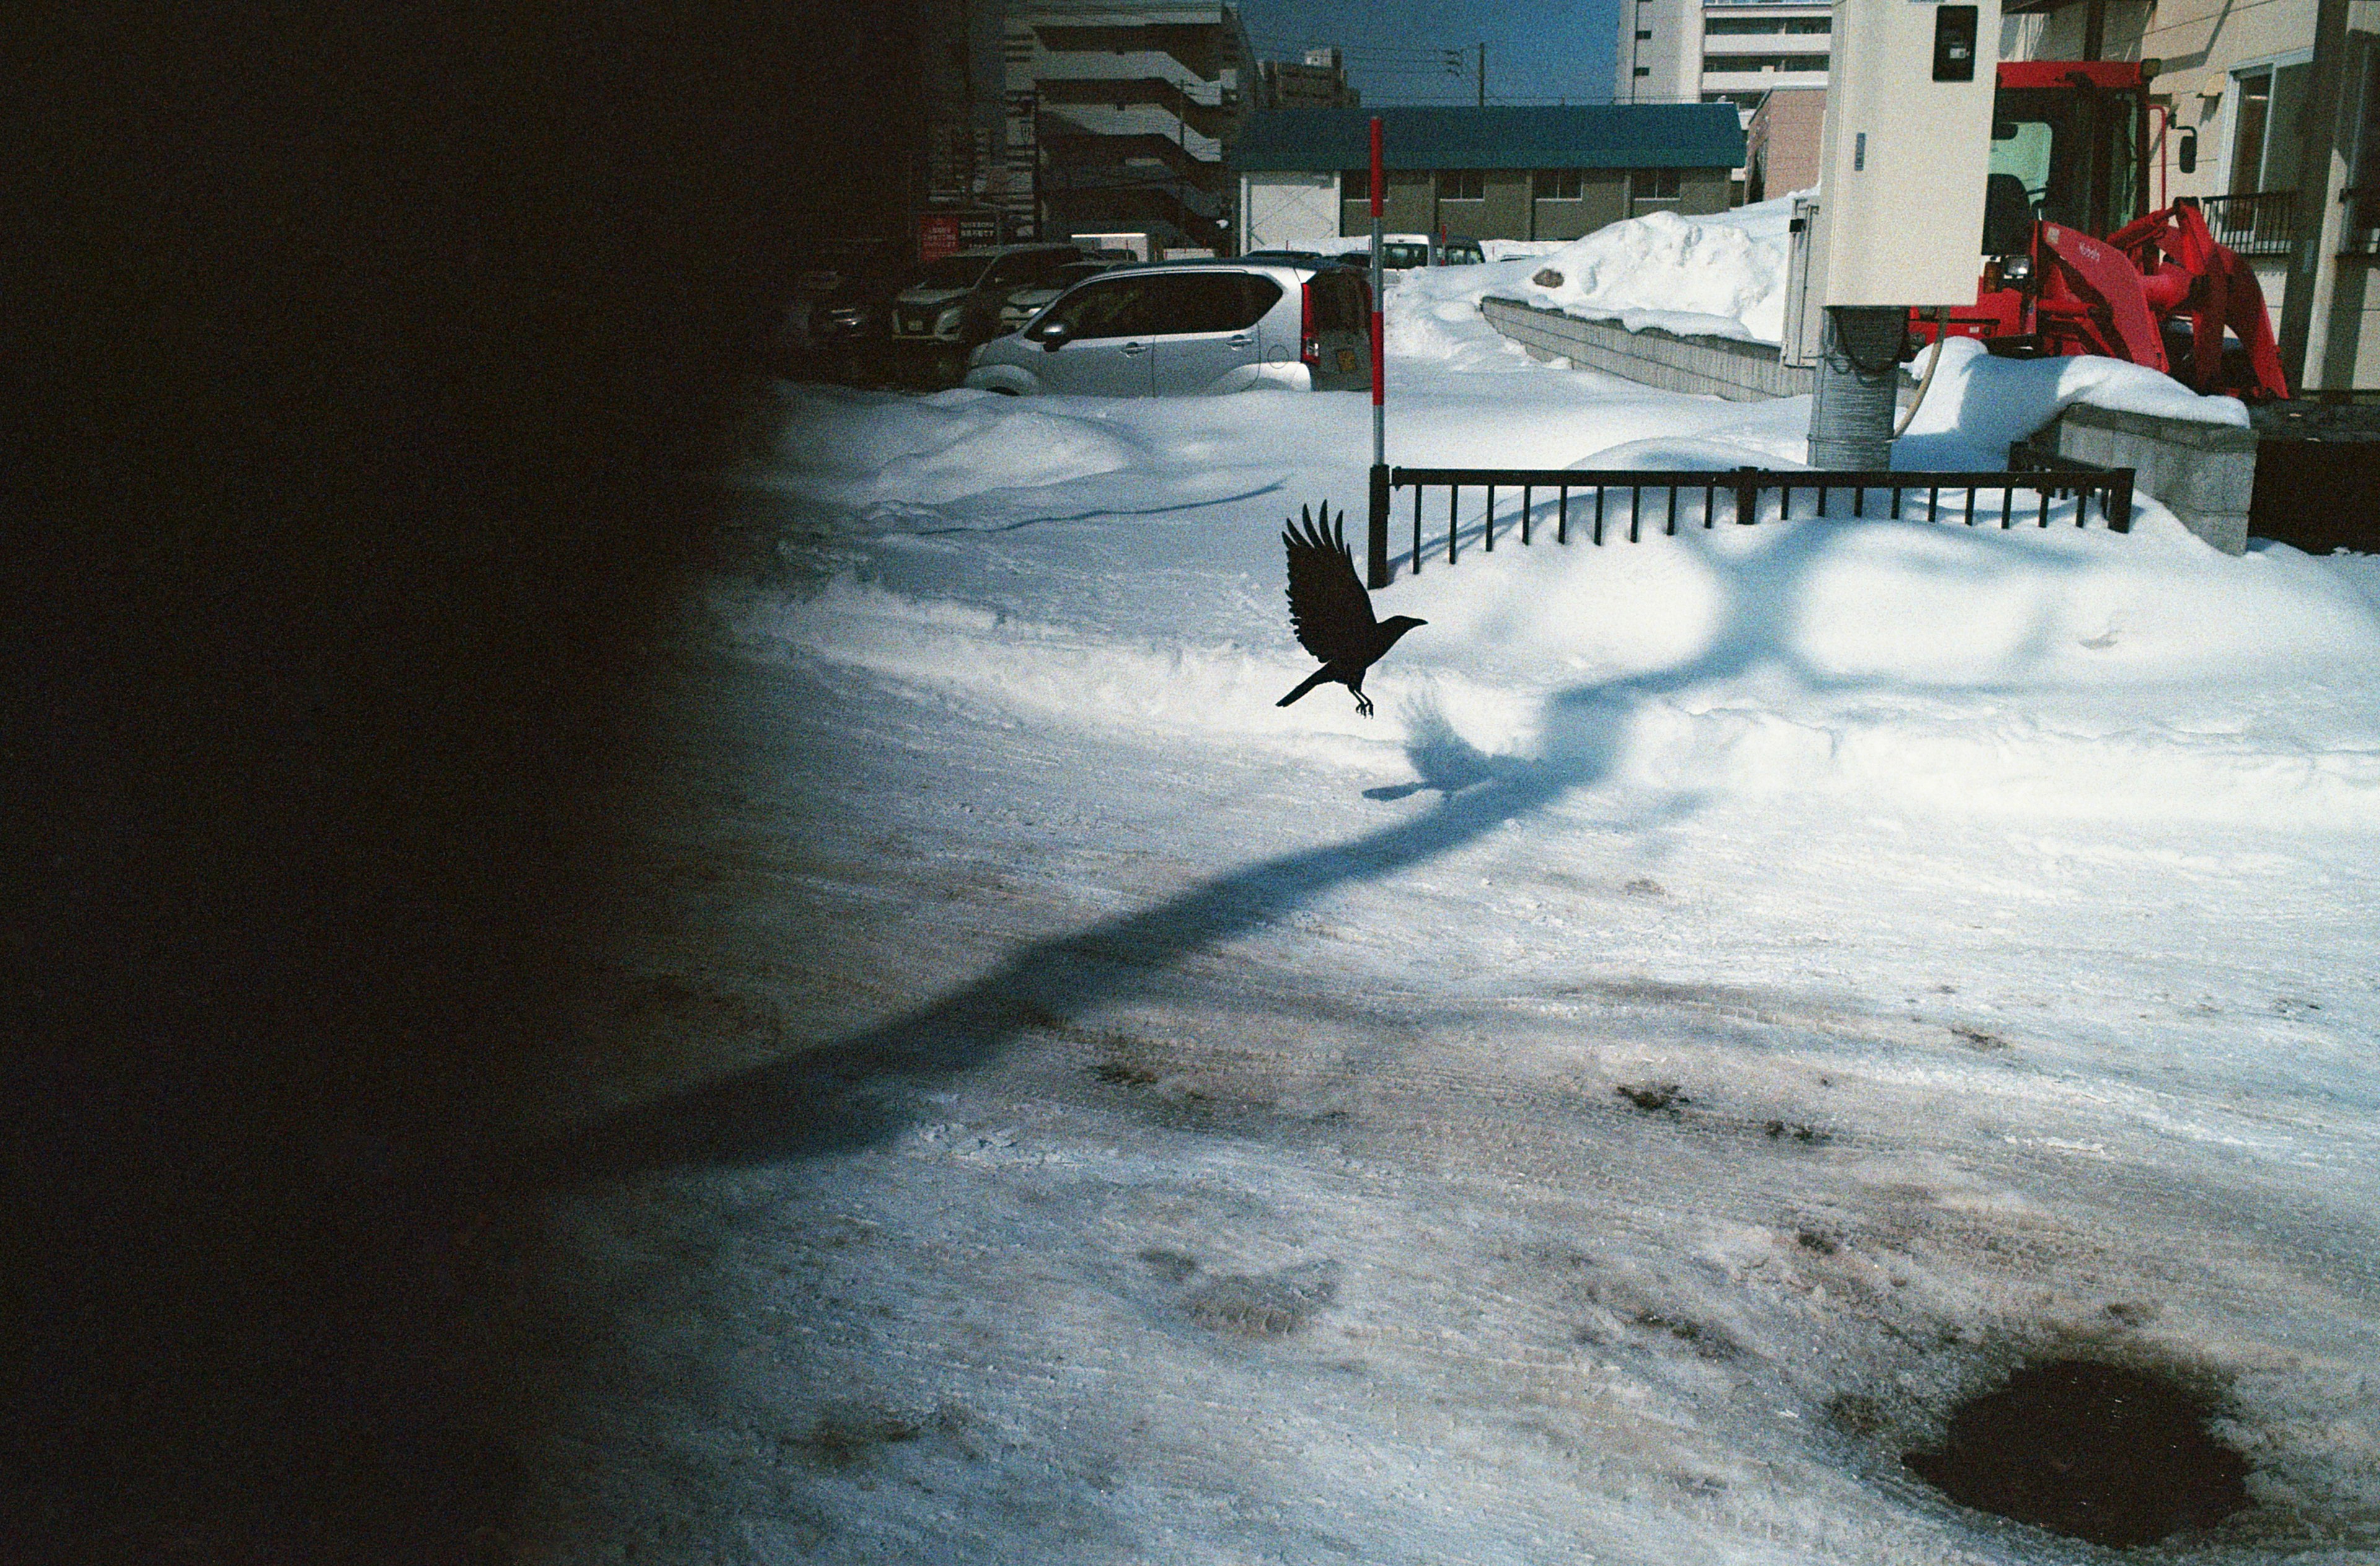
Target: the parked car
pixel 953 303
pixel 842 299
pixel 1026 303
pixel 1400 252
pixel 1186 328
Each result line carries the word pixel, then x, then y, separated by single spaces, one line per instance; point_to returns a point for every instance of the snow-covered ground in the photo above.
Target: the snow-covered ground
pixel 1744 992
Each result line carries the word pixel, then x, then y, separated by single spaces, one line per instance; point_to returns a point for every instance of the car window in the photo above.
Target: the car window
pixel 1113 308
pixel 1341 303
pixel 1211 301
pixel 1015 269
pixel 951 272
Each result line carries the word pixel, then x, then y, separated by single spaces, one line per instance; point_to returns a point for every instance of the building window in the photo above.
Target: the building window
pixel 1652 184
pixel 1356 185
pixel 1644 35
pixel 1462 185
pixel 2265 127
pixel 1644 70
pixel 1715 63
pixel 1754 27
pixel 1557 185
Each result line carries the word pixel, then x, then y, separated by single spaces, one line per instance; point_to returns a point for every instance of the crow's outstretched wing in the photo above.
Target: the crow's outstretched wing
pixel 1328 606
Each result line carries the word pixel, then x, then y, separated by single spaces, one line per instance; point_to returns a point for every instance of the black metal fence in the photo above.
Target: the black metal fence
pixel 2261 223
pixel 1611 503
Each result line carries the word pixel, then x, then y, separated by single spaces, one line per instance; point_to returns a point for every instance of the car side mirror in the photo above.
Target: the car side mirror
pixel 1053 336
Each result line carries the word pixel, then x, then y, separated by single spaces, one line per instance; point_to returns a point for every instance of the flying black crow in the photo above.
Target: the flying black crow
pixel 1331 610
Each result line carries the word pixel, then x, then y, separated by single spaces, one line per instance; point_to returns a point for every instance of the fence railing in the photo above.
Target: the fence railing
pixel 2059 491
pixel 2260 222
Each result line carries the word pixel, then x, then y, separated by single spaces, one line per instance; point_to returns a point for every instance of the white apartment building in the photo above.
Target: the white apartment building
pixel 1718 51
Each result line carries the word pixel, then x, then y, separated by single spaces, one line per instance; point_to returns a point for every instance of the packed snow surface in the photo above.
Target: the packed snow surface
pixel 1747 991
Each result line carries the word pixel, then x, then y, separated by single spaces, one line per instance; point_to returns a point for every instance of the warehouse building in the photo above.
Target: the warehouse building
pixel 1489 173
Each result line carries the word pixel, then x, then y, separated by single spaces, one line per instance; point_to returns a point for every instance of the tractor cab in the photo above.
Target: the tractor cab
pixel 2069 263
pixel 2071 139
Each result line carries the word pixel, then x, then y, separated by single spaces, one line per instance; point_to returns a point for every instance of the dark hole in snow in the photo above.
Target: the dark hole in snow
pixel 1778 1130
pixel 1654 1098
pixel 2093 1452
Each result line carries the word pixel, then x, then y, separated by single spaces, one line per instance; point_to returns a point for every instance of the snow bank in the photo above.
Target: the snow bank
pixel 855 446
pixel 1719 275
pixel 2061 672
pixel 1978 404
pixel 1724 276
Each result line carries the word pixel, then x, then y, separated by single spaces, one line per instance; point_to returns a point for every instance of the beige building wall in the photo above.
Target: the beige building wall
pixel 1602 199
pixel 1782 143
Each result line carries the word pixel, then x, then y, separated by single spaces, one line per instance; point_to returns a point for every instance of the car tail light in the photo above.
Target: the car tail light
pixel 1309 346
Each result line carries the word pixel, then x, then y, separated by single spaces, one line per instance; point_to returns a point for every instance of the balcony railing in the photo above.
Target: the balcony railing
pixel 2262 223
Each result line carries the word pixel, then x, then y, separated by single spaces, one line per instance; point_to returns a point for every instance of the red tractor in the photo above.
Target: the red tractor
pixel 2071 265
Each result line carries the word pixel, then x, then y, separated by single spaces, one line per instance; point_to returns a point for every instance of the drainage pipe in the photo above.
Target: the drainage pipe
pixel 1857 381
pixel 1933 363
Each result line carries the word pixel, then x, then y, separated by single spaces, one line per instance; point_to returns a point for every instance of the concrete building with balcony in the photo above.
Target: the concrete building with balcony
pixel 1318 82
pixel 1735 52
pixel 1118 112
pixel 1719 51
pixel 1304 174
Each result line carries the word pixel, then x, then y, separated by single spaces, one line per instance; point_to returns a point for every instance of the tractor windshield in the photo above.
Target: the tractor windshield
pixel 2075 148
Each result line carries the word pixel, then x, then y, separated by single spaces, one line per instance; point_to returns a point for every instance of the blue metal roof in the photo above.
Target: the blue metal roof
pixel 1605 135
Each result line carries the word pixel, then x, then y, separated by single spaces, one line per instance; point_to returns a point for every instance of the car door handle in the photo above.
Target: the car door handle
pixel 1133 348
pixel 1239 340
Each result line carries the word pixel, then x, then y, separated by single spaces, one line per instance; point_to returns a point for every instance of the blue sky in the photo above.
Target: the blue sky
pixel 1538 51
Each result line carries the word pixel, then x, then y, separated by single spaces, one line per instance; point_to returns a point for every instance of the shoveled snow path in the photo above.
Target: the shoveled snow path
pixel 1276 1200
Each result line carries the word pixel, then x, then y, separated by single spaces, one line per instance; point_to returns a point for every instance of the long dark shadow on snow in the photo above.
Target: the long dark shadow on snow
pixel 848 1093
pixel 1274 488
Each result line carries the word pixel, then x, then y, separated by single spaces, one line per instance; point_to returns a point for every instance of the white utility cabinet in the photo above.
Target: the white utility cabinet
pixel 1908 141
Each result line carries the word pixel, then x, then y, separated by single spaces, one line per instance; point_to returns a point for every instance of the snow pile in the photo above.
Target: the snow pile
pixel 1724 276
pixel 851 446
pixel 1978 404
pixel 1981 669
pixel 1718 275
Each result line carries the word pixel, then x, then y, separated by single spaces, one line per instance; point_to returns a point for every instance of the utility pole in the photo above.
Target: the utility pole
pixel 1452 59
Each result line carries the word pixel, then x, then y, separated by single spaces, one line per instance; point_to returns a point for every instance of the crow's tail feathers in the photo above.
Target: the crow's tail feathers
pixel 1312 680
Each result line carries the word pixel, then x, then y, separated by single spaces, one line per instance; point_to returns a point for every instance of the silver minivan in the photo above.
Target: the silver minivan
pixel 1187 328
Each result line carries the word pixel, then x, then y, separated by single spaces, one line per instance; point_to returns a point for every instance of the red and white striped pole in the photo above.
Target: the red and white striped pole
pixel 1375 553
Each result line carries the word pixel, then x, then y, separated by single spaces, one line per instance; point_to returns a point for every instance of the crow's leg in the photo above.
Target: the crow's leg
pixel 1362 703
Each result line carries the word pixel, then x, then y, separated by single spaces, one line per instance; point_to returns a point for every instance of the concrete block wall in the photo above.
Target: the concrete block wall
pixel 2205 473
pixel 1722 367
